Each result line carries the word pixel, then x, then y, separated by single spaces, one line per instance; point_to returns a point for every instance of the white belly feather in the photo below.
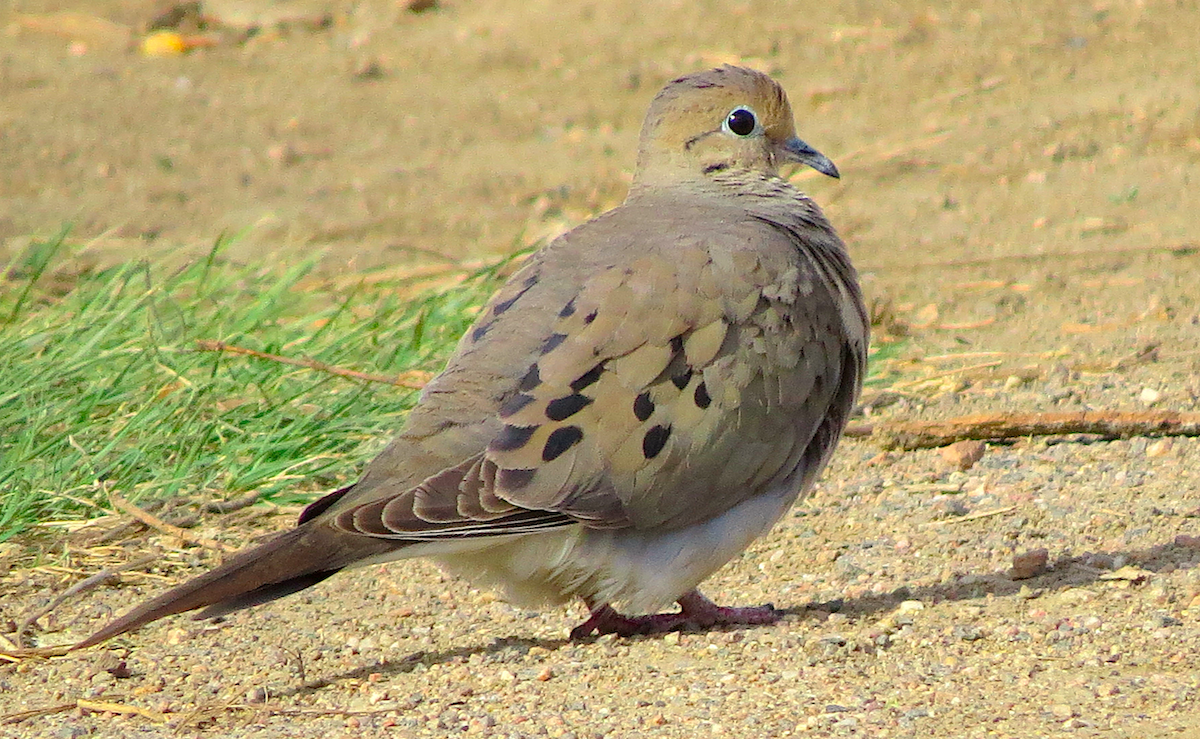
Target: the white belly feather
pixel 639 571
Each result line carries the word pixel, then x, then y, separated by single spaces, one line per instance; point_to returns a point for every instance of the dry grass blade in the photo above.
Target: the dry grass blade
pixel 17 655
pixel 413 379
pixel 900 386
pixel 108 707
pixel 19 716
pixel 286 711
pixel 976 516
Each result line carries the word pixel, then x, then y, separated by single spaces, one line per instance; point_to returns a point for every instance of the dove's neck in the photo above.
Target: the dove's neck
pixel 762 193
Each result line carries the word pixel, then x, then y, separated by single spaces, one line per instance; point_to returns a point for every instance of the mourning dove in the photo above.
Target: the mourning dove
pixel 647 395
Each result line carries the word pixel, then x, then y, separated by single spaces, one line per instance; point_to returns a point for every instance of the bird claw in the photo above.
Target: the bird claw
pixel 696 612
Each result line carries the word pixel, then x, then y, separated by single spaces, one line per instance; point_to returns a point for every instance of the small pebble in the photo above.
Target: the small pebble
pixel 1062 711
pixel 1029 564
pixel 963 454
pixel 967 633
pixel 950 506
pixel 1160 448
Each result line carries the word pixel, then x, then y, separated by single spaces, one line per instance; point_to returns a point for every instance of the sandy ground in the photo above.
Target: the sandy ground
pixel 1017 191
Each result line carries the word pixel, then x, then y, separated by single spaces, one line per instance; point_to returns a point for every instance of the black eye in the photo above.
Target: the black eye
pixel 741 122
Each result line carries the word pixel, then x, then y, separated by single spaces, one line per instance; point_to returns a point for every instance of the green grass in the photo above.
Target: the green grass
pixel 102 384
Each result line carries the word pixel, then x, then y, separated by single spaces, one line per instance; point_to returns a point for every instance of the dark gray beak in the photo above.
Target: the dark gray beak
pixel 797 151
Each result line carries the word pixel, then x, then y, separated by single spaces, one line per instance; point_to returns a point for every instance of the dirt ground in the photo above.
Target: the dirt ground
pixel 1017 191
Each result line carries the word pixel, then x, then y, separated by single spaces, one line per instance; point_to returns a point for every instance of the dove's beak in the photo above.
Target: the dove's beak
pixel 797 151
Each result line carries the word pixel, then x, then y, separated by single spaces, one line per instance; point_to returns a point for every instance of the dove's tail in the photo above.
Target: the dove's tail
pixel 292 561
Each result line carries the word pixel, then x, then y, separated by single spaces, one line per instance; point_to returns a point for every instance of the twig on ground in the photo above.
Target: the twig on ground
pixel 79 588
pixel 976 516
pixel 155 522
pixel 229 506
pixel 412 379
pixel 908 436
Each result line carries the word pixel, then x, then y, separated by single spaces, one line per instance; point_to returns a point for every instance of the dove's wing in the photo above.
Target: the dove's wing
pixel 705 361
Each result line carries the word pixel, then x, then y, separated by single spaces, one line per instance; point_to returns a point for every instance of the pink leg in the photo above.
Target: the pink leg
pixel 695 611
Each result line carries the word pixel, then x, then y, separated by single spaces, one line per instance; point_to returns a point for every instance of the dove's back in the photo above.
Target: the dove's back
pixel 738 334
pixel 655 272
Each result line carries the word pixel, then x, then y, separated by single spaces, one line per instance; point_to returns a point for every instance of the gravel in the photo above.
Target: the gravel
pixel 1075 608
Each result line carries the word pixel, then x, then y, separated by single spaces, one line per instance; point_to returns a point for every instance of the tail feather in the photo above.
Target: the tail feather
pixel 264 594
pixel 294 560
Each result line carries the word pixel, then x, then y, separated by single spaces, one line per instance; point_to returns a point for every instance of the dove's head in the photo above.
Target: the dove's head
pixel 718 121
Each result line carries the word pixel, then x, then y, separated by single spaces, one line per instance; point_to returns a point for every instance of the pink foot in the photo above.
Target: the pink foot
pixel 695 611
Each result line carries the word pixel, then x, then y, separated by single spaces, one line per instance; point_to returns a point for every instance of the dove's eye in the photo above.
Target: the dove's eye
pixel 741 121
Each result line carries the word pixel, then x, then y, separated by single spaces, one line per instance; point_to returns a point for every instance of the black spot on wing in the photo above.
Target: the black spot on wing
pixel 568 405
pixel 512 437
pixel 701 396
pixel 654 441
pixel 531 379
pixel 568 310
pixel 504 305
pixel 587 378
pixel 590 317
pixel 560 441
pixel 552 341
pixel 677 344
pixel 515 404
pixel 480 331
pixel 718 167
pixel 681 379
pixel 643 407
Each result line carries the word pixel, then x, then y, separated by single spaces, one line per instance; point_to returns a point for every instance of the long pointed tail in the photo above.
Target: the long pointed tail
pixel 294 560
